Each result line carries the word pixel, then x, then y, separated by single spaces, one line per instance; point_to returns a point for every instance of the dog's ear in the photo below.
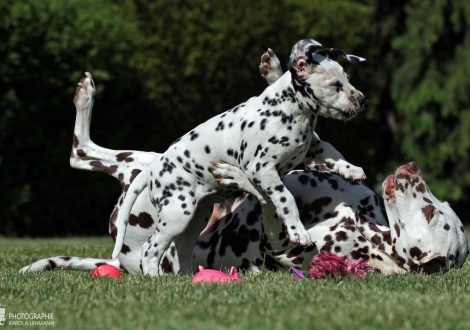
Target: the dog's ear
pixel 334 53
pixel 433 264
pixel 299 54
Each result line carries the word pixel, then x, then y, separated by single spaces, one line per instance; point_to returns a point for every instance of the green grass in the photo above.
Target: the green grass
pixel 267 301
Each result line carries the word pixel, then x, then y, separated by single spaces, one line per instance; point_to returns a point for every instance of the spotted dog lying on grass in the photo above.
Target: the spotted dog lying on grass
pixel 341 216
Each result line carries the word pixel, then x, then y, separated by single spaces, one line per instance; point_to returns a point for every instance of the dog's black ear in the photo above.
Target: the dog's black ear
pixel 435 265
pixel 334 53
pixel 309 56
pixel 354 58
pixel 301 49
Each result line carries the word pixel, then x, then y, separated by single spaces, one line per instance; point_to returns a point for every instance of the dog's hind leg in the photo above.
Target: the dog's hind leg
pixel 185 242
pixel 124 165
pixel 171 224
pixel 177 203
pixel 86 155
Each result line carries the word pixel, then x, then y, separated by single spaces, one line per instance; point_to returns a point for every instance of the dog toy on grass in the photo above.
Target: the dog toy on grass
pixel 326 264
pixel 215 276
pixel 106 271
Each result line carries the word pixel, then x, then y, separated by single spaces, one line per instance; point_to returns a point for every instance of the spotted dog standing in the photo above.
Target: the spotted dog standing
pixel 342 217
pixel 265 137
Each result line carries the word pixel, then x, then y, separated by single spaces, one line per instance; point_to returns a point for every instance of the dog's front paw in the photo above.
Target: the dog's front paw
pixel 232 177
pixel 270 67
pixel 227 175
pixel 349 171
pixel 85 92
pixel 298 235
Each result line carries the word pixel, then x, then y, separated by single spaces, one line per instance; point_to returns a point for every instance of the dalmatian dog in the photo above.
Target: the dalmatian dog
pixel 281 121
pixel 343 217
pixel 435 239
pixel 125 165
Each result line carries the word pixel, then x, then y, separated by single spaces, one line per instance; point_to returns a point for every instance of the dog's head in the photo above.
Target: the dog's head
pixel 428 235
pixel 322 82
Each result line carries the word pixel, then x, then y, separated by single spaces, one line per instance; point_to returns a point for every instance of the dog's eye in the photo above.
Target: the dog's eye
pixel 338 84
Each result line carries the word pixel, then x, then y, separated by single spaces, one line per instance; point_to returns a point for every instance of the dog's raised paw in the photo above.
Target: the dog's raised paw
pixel 227 175
pixel 85 91
pixel 298 235
pixel 270 66
pixel 349 171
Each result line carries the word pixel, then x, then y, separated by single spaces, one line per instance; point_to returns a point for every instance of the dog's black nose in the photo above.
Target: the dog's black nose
pixel 362 100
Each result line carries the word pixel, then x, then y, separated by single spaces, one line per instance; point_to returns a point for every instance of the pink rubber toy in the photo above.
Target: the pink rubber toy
pixel 215 276
pixel 106 271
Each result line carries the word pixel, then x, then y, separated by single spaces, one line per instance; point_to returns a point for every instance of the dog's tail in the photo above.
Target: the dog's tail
pixel 136 187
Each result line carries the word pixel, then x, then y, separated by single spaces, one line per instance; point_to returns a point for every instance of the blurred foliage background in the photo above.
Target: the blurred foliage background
pixel 162 67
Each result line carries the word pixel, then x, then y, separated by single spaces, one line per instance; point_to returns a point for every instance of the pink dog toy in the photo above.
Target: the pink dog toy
pixel 212 275
pixel 106 271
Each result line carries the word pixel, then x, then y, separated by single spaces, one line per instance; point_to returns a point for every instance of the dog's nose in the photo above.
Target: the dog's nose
pixel 411 167
pixel 362 100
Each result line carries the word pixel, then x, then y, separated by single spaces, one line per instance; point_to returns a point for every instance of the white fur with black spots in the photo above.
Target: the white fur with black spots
pixel 326 202
pixel 265 137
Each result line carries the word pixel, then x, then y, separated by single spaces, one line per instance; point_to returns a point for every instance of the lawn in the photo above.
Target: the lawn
pixel 267 301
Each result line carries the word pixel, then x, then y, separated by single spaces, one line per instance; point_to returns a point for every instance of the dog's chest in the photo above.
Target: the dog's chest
pixel 281 138
pixel 295 156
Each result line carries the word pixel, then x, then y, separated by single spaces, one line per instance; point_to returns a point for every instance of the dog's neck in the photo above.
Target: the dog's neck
pixel 304 92
pixel 284 90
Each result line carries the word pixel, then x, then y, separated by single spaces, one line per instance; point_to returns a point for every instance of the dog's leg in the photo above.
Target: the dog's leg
pixel 233 237
pixel 176 208
pixel 270 67
pixel 171 224
pixel 231 176
pixel 185 242
pixel 72 263
pixel 269 182
pixel 124 165
pixel 325 152
pixel 86 155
